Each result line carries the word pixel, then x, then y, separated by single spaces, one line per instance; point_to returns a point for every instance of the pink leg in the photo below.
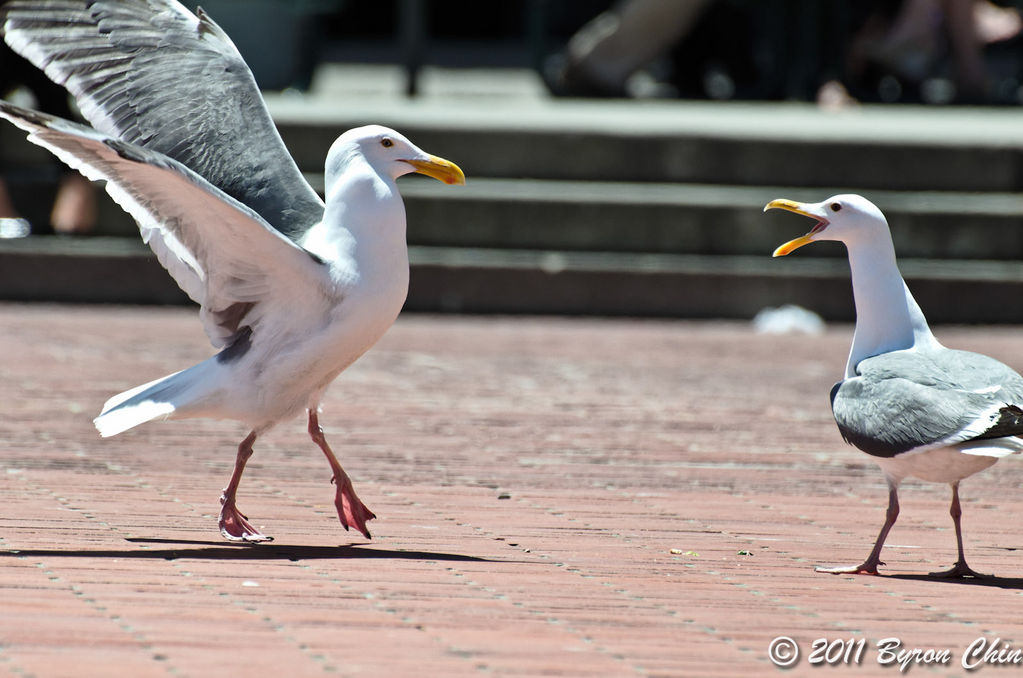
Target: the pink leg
pixel 869 566
pixel 350 509
pixel 233 524
pixel 960 569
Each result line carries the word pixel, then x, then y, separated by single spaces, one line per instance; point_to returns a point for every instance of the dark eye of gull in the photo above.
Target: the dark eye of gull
pixel 386 142
pixel 835 206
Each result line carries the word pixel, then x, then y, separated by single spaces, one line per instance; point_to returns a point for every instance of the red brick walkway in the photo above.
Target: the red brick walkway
pixel 555 497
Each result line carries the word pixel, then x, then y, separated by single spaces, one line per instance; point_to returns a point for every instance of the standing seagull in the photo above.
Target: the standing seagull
pixel 291 290
pixel 918 408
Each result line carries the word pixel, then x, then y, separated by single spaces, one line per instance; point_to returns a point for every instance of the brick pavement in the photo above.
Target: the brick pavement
pixel 555 497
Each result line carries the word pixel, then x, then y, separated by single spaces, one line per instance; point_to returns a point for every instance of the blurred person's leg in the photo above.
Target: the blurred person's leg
pixel 602 55
pixel 996 23
pixel 74 209
pixel 75 206
pixel 971 74
pixel 7 210
pixel 970 26
pixel 616 44
pixel 911 44
pixel 12 225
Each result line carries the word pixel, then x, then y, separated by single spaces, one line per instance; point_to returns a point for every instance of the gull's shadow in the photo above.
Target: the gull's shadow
pixel 208 550
pixel 1014 583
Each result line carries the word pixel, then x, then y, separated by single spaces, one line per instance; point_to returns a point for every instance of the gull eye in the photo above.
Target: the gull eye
pixel 835 206
pixel 386 142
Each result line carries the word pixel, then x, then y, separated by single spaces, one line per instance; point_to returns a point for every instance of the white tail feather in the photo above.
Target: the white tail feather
pixel 159 398
pixel 123 418
pixel 116 400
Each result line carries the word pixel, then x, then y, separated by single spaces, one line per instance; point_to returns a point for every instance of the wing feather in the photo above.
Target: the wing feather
pixel 910 400
pixel 223 254
pixel 133 64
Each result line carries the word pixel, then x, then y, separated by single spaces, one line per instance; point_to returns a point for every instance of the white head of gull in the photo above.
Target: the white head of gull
pixel 291 289
pixel 918 408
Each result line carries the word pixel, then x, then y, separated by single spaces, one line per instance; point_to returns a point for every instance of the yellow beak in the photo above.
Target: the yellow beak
pixel 440 169
pixel 792 245
pixel 797 207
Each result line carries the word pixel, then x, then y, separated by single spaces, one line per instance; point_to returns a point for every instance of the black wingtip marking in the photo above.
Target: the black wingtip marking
pixel 238 347
pixel 1008 423
pixel 27 114
pixel 125 150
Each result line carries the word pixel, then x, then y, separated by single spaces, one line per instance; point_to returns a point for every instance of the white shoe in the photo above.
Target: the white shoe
pixel 14 227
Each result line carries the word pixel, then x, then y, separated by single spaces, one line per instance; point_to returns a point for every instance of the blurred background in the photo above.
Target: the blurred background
pixel 618 154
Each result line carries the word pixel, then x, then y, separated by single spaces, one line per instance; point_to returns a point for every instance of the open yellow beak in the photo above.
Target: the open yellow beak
pixel 440 169
pixel 797 207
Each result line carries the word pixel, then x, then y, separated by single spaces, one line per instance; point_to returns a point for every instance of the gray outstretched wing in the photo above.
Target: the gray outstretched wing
pixel 152 73
pixel 243 273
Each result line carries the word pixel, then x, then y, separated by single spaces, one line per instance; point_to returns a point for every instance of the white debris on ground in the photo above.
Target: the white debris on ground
pixel 787 319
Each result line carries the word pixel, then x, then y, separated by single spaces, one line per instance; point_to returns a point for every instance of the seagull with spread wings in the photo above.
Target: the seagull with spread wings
pixel 292 289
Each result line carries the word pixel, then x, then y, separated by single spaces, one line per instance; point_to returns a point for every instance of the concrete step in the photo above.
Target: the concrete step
pixel 119 270
pixel 634 209
pixel 600 283
pixel 656 217
pixel 750 144
pixel 574 175
pixel 694 218
pixel 746 144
